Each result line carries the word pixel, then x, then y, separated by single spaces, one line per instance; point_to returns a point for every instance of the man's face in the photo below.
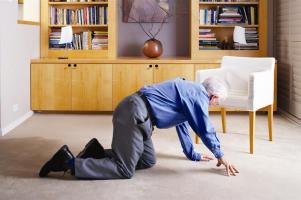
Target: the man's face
pixel 214 100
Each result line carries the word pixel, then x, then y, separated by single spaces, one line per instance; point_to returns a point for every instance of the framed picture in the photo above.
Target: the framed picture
pixel 145 11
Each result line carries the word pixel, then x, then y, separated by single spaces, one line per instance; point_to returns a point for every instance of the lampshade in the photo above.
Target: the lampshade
pixel 66 35
pixel 239 35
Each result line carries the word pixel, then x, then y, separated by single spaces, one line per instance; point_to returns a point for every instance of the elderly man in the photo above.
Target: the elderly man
pixel 177 102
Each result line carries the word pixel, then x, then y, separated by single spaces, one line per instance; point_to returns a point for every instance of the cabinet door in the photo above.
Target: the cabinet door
pixel 170 71
pixel 207 66
pixel 129 78
pixel 50 87
pixel 91 87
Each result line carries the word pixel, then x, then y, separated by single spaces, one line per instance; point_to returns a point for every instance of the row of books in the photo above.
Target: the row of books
pixel 78 0
pixel 229 15
pixel 96 40
pixel 100 40
pixel 252 40
pixel 228 0
pixel 207 40
pixel 86 16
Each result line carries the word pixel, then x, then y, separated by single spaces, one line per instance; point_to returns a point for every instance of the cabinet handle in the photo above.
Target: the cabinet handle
pixel 156 66
pixel 74 65
pixel 69 65
pixel 150 66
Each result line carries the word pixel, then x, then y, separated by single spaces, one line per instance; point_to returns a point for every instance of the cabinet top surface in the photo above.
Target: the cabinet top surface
pixel 124 60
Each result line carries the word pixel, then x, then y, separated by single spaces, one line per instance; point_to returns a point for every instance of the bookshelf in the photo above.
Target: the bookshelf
pixel 93 24
pixel 212 23
pixel 93 79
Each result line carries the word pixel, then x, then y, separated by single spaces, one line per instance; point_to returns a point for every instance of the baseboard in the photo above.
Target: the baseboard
pixel 290 117
pixel 16 123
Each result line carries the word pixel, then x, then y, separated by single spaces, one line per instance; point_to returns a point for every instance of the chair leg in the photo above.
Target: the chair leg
pixel 197 139
pixel 252 116
pixel 223 114
pixel 270 121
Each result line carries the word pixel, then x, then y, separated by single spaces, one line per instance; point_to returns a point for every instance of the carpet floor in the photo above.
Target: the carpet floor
pixel 273 172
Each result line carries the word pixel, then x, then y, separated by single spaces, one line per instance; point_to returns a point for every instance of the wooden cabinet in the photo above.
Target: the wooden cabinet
pixel 50 87
pixel 164 72
pixel 206 66
pixel 129 78
pixel 92 87
pixel 71 87
pixel 100 85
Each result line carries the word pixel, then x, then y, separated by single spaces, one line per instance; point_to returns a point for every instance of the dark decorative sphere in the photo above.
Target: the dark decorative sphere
pixel 152 48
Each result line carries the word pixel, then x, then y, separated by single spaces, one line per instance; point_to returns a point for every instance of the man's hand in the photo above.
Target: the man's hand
pixel 206 158
pixel 231 170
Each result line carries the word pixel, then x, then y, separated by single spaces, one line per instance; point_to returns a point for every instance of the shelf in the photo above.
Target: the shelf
pixel 78 3
pixel 227 26
pixel 229 50
pixel 81 26
pixel 56 53
pixel 80 50
pixel 229 3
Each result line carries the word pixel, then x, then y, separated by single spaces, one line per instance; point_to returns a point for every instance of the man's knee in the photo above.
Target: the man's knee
pixel 149 163
pixel 128 175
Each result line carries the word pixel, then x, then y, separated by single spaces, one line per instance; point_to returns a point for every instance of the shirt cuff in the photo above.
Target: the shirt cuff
pixel 218 154
pixel 197 157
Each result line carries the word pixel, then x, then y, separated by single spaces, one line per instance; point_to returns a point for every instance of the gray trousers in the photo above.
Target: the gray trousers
pixel 132 147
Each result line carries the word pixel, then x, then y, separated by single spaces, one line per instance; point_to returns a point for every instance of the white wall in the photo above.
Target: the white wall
pixel 31 10
pixel 18 44
pixel 20 11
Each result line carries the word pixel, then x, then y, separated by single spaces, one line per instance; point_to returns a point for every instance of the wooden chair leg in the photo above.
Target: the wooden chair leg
pixel 223 114
pixel 197 139
pixel 270 122
pixel 252 116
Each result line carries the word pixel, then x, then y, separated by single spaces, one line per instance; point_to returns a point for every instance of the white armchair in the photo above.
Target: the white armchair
pixel 251 87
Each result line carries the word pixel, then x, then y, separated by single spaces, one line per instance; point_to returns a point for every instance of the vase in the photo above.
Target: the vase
pixel 152 48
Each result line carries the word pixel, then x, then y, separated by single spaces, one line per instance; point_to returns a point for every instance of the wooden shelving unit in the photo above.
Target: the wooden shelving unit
pixel 110 27
pixel 227 26
pixel 226 30
pixel 78 3
pixel 228 3
pixel 80 26
pixel 94 80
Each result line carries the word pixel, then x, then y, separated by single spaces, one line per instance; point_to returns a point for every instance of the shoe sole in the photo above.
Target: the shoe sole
pixel 44 172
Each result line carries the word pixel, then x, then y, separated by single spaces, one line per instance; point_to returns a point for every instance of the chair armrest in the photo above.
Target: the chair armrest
pixel 201 75
pixel 261 88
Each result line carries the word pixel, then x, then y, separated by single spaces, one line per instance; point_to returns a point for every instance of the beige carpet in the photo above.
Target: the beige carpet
pixel 274 172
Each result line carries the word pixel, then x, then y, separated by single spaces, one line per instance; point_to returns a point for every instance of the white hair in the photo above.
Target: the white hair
pixel 216 87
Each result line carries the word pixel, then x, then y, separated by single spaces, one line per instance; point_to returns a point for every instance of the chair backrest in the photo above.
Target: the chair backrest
pixel 238 69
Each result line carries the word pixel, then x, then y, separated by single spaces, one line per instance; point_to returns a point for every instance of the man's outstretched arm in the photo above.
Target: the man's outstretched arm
pixel 198 119
pixel 186 142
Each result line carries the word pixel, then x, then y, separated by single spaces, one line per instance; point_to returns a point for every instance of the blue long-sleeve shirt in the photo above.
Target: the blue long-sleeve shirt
pixel 182 104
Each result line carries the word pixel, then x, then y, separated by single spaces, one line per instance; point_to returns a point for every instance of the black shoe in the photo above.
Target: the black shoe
pixel 93 149
pixel 58 162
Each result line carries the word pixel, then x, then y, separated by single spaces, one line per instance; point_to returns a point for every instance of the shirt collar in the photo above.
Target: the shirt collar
pixel 205 92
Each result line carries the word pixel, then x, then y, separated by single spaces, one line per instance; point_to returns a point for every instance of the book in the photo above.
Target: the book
pixel 242 14
pixel 91 15
pixel 207 40
pixel 86 40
